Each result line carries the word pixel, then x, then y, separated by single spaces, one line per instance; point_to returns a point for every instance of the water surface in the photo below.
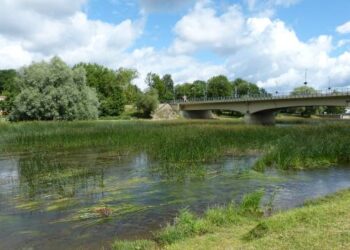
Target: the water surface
pixel 55 201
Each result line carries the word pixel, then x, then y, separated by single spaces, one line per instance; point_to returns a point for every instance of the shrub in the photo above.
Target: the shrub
pixel 147 103
pixel 53 91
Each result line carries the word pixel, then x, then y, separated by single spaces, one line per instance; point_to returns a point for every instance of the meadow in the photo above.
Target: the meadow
pixel 180 144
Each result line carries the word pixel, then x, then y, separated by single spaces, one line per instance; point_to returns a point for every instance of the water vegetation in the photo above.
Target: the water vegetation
pixel 181 145
pixel 320 224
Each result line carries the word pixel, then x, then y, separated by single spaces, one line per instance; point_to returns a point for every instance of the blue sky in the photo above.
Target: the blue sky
pixel 270 42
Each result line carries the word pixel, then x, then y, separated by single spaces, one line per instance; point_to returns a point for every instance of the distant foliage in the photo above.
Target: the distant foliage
pixel 53 91
pixel 8 88
pixel 164 86
pixel 197 89
pixel 303 90
pixel 219 86
pixel 110 87
pixel 147 103
pixel 244 88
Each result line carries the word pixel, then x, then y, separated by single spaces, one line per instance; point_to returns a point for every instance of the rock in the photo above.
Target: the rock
pixel 165 112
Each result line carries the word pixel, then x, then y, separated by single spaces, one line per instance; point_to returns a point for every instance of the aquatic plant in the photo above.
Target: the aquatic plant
pixel 176 145
pixel 187 224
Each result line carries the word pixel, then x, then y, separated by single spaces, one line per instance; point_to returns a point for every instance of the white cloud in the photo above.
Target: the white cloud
pixel 260 49
pixel 344 29
pixel 41 29
pixel 183 68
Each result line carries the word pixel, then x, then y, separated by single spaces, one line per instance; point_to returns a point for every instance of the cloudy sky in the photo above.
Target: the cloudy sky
pixel 270 42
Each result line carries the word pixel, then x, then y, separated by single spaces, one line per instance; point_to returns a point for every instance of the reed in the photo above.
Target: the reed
pixel 179 144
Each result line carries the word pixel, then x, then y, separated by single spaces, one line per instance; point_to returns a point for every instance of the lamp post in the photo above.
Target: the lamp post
pixel 206 90
pixel 305 83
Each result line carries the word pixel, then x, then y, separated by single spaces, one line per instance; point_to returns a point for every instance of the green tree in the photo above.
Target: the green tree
pixel 219 86
pixel 169 87
pixel 155 82
pixel 164 86
pixel 303 90
pixel 8 88
pixel 304 111
pixel 183 90
pixel 147 103
pixel 109 86
pixel 7 79
pixel 125 78
pixel 53 91
pixel 244 88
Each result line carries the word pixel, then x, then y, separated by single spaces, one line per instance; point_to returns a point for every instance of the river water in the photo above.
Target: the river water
pixel 86 200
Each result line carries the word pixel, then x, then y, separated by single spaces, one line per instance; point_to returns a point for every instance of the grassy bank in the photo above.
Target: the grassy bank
pixel 321 224
pixel 183 143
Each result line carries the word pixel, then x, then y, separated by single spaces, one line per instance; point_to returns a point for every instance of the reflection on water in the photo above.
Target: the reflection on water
pixel 89 199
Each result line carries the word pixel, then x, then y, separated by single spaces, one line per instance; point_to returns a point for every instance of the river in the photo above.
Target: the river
pixel 59 201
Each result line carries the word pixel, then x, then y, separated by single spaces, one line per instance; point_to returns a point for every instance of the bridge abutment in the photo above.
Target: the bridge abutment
pixel 261 118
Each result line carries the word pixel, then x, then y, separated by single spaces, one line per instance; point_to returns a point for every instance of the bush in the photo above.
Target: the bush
pixel 147 103
pixel 53 91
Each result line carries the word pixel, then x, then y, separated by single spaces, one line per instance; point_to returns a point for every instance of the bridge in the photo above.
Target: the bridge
pixel 259 109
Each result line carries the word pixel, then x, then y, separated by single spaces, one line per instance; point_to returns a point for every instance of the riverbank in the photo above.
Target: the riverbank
pixel 319 224
pixel 187 144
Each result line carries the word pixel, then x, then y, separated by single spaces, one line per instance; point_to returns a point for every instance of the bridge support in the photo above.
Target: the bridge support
pixel 260 118
pixel 197 114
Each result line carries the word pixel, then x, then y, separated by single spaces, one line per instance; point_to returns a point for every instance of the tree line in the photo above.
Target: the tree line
pixel 55 91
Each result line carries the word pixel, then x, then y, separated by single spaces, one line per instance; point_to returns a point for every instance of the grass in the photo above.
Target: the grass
pixel 320 224
pixel 188 225
pixel 184 144
pixel 323 224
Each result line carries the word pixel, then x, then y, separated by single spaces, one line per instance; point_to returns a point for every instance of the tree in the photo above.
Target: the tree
pixel 124 78
pixel 8 88
pixel 303 90
pixel 303 111
pixel 183 90
pixel 109 86
pixel 7 78
pixel 53 91
pixel 219 86
pixel 169 87
pixel 147 103
pixel 164 86
pixel 244 88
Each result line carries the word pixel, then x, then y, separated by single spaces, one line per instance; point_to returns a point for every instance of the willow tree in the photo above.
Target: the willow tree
pixel 53 91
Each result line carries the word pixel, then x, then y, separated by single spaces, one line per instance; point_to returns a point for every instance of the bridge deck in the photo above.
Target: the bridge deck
pixel 343 93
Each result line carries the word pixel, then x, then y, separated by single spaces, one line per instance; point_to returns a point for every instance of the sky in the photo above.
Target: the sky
pixel 269 42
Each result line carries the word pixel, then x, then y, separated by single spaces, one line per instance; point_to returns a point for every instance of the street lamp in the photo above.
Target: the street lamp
pixel 206 90
pixel 305 83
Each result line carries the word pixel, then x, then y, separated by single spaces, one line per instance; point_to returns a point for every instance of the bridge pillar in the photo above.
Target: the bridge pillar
pixel 197 114
pixel 260 118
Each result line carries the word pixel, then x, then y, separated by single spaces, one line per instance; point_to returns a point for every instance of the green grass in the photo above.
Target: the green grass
pixel 135 245
pixel 186 144
pixel 323 224
pixel 320 224
pixel 187 225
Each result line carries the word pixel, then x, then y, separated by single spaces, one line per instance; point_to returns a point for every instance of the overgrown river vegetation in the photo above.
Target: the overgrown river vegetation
pixel 178 184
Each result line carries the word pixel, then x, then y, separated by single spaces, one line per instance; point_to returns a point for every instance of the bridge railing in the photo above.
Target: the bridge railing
pixel 267 96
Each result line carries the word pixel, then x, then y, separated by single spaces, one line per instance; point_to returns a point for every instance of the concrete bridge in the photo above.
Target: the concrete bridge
pixel 259 109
